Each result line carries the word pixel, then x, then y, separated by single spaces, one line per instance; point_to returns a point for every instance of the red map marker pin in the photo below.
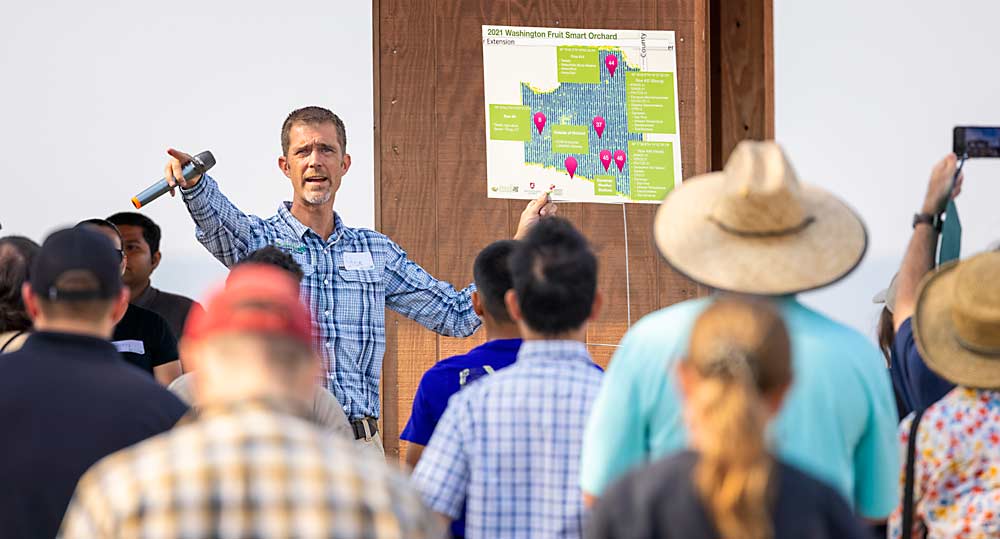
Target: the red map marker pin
pixel 571 166
pixel 540 121
pixel 606 158
pixel 620 159
pixel 598 122
pixel 611 62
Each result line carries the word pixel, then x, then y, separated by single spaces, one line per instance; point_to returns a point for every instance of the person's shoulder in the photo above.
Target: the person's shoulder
pixel 175 299
pixel 808 321
pixel 799 487
pixel 654 323
pixel 116 471
pixel 655 481
pixel 364 234
pixel 959 399
pixel 141 317
pixel 813 329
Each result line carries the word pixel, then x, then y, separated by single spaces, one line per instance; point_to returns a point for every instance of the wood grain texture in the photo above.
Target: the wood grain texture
pixel 744 89
pixel 430 142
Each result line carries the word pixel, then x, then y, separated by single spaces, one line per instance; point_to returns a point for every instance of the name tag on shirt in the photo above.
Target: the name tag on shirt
pixel 358 261
pixel 133 346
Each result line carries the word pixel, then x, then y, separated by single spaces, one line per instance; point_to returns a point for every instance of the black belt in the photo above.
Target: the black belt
pixel 359 427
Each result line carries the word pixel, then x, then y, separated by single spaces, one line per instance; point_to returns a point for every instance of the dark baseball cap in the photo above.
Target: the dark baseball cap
pixel 76 249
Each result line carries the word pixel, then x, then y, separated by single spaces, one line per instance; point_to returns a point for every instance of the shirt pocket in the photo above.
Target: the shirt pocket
pixel 305 261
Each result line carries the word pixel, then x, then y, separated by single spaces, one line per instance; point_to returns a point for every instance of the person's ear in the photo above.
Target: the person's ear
pixel 120 305
pixel 513 308
pixel 477 303
pixel 156 259
pixel 595 308
pixel 685 378
pixel 346 163
pixel 30 302
pixel 283 165
pixel 775 399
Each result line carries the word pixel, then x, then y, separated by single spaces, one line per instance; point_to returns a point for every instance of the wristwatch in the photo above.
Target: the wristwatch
pixel 931 219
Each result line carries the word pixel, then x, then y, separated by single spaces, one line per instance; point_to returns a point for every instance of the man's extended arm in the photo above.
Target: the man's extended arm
pixel 414 293
pixel 221 227
pixel 919 257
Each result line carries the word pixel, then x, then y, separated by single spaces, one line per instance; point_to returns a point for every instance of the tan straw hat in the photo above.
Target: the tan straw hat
pixel 957 321
pixel 753 228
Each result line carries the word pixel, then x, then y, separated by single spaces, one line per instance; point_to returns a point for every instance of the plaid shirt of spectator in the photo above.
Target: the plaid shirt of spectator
pixel 349 281
pixel 248 469
pixel 509 446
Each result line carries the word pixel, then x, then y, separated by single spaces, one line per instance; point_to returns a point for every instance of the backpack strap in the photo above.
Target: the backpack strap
pixel 911 454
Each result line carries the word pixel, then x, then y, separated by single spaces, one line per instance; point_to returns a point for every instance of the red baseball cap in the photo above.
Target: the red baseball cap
pixel 257 298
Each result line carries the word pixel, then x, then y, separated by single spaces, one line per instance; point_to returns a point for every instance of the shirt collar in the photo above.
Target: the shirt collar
pixel 300 230
pixel 502 344
pixel 147 296
pixel 77 341
pixel 553 350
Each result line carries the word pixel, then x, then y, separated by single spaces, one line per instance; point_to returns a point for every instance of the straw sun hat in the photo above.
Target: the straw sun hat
pixel 957 321
pixel 753 228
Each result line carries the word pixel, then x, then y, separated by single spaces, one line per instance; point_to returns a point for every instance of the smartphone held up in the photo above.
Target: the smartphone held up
pixel 970 141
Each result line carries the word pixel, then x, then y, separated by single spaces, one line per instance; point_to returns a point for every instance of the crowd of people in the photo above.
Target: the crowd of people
pixel 132 412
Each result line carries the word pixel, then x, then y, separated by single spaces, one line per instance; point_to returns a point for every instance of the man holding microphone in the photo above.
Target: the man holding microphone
pixel 351 274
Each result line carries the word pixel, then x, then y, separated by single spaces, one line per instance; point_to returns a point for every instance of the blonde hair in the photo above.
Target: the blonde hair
pixel 739 351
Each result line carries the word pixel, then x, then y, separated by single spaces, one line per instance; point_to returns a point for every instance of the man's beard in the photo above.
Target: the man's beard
pixel 317 199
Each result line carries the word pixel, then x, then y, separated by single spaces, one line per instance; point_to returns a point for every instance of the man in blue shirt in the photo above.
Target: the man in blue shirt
pixel 503 339
pixel 510 444
pixel 917 385
pixel 754 229
pixel 351 275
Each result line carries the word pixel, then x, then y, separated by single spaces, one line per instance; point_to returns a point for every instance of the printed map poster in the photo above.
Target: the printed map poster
pixel 589 115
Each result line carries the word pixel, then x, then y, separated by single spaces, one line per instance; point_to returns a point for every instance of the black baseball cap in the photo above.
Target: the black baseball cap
pixel 76 249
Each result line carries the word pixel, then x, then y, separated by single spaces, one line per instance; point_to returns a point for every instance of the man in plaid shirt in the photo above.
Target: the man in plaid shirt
pixel 247 463
pixel 509 444
pixel 351 274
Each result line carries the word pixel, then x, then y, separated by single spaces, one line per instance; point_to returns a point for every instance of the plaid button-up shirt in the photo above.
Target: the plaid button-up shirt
pixel 509 446
pixel 349 280
pixel 248 469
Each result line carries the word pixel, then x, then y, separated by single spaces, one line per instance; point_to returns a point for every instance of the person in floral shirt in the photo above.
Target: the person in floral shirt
pixel 957 460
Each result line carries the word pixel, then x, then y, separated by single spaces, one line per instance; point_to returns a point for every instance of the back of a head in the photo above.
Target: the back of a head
pixel 151 232
pixel 270 255
pixel 491 272
pixel 256 315
pixel 97 223
pixel 739 352
pixel 554 273
pixel 76 275
pixel 16 256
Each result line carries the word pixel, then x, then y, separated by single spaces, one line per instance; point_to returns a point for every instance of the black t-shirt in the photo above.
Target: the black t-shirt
pixel 67 401
pixel 661 501
pixel 144 339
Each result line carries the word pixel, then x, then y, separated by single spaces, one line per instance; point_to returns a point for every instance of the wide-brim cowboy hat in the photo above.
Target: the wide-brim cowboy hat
pixel 956 323
pixel 753 228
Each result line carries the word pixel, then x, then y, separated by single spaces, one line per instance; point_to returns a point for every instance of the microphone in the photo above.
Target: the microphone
pixel 199 164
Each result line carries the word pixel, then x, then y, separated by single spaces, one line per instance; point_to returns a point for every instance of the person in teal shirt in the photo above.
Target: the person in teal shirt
pixel 754 229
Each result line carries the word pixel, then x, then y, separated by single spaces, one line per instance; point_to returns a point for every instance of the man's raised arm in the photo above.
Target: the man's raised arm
pixel 221 227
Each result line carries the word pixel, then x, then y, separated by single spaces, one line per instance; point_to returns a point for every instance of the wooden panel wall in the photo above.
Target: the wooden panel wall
pixel 431 178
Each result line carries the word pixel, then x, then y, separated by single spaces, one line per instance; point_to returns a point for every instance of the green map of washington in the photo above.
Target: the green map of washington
pixel 604 132
pixel 570 110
